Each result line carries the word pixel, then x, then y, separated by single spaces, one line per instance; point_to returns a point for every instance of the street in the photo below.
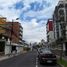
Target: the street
pixel 28 59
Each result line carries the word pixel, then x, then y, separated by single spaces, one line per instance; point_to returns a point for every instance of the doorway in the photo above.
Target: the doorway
pixel 13 48
pixel 2 47
pixel 66 48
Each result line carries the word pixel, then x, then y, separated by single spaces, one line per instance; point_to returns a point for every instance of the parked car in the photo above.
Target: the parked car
pixel 46 56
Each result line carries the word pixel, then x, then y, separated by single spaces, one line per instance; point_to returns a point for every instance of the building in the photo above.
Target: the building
pixel 43 43
pixel 62 17
pixel 2 23
pixel 60 26
pixel 2 34
pixel 17 32
pixel 50 32
pixel 11 34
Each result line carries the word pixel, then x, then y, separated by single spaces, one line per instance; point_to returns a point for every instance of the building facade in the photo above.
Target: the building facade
pixel 17 32
pixel 60 26
pixel 50 32
pixel 11 34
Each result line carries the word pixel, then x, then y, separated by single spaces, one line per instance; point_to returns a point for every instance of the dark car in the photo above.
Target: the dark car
pixel 46 56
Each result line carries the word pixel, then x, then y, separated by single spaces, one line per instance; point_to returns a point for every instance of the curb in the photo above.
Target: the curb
pixel 12 55
pixel 61 65
pixel 5 57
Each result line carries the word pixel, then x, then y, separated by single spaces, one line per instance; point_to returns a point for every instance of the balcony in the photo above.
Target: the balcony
pixel 20 34
pixel 20 37
pixel 61 6
pixel 20 41
pixel 21 29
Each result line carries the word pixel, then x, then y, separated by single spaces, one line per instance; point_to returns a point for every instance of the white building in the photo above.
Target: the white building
pixel 50 32
pixel 60 24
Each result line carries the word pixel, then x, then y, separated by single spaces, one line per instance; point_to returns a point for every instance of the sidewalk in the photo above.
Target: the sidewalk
pixel 62 62
pixel 4 57
pixel 65 58
pixel 9 56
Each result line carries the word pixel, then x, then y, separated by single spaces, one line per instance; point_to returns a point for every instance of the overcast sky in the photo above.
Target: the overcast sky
pixel 32 14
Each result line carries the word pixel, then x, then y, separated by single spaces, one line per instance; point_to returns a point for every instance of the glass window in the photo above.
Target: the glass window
pixel 61 12
pixel 66 6
pixel 66 14
pixel 61 5
pixel 62 18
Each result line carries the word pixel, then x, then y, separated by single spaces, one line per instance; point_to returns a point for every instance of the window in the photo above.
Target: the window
pixel 66 14
pixel 66 6
pixel 61 12
pixel 62 18
pixel 61 5
pixel 61 15
pixel 48 38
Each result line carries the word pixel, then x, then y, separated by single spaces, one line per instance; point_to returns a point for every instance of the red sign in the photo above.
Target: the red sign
pixel 50 25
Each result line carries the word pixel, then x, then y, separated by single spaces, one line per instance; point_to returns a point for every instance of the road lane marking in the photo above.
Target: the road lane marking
pixel 36 62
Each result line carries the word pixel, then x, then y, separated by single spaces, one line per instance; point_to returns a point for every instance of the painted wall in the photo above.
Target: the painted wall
pixel 19 49
pixel 7 49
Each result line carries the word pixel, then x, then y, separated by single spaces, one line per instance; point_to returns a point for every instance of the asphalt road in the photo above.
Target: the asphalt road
pixel 24 60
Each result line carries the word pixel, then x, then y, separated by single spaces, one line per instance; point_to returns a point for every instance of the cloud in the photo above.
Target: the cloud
pixel 38 9
pixel 19 5
pixel 9 14
pixel 7 3
pixel 27 9
pixel 33 16
pixel 7 9
pixel 33 31
pixel 38 6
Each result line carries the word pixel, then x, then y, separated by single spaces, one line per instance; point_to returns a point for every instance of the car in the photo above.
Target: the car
pixel 46 56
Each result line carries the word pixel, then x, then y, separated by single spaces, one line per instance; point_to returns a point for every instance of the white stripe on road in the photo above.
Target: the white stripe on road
pixel 36 62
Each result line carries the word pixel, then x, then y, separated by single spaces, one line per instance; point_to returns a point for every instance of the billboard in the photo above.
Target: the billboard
pixel 50 25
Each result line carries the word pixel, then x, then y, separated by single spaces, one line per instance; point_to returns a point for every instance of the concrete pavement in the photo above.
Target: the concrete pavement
pixel 23 60
pixel 3 57
pixel 28 59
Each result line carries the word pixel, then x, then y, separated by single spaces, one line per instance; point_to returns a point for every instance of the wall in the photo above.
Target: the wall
pixel 51 36
pixel 7 49
pixel 19 49
pixel 2 24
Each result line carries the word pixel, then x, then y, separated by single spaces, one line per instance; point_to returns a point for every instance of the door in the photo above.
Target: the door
pixel 2 47
pixel 66 48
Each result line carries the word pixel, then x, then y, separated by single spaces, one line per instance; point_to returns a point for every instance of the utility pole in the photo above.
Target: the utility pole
pixel 12 32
